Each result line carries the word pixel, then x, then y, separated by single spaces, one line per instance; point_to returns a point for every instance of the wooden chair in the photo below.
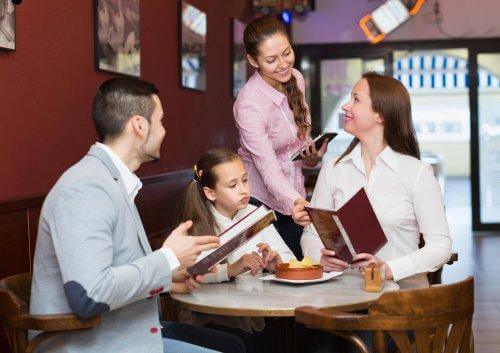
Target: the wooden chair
pixel 439 317
pixel 15 317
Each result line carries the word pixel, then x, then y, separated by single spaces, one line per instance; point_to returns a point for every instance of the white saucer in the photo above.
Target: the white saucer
pixel 326 277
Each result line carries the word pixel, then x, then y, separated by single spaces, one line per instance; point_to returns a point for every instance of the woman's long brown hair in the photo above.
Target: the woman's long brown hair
pixel 391 100
pixel 194 204
pixel 257 32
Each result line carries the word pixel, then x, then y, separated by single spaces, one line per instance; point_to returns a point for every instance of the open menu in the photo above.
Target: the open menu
pixel 232 238
pixel 352 229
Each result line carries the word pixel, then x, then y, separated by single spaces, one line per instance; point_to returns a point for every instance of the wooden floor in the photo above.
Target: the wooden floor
pixel 479 256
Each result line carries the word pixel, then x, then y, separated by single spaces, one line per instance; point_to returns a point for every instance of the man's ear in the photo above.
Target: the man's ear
pixel 139 125
pixel 209 193
pixel 252 61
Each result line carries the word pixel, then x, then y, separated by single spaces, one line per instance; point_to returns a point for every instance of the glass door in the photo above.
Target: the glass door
pixel 338 76
pixel 486 155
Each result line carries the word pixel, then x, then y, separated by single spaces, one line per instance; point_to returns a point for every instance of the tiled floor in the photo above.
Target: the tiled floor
pixel 479 256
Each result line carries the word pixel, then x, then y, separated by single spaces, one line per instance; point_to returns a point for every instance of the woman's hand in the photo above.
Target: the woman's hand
pixel 311 155
pixel 363 259
pixel 299 214
pixel 331 263
pixel 270 258
pixel 248 262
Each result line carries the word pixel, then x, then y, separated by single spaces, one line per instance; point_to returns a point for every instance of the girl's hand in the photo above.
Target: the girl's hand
pixel 248 262
pixel 362 260
pixel 299 214
pixel 311 156
pixel 270 258
pixel 331 263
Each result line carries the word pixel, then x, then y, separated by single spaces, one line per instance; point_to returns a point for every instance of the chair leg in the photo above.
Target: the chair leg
pixel 35 342
pixel 355 340
pixel 379 342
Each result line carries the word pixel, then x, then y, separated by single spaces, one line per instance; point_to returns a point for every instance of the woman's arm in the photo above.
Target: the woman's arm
pixel 431 218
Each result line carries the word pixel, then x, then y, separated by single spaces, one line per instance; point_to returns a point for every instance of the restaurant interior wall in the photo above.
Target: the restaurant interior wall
pixel 47 86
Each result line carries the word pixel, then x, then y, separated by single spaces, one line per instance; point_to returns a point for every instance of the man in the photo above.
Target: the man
pixel 92 254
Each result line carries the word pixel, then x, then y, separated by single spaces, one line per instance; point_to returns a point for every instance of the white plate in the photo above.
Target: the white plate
pixel 326 277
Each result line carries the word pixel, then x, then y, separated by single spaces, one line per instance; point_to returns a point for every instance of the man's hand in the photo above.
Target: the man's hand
pixel 299 214
pixel 187 286
pixel 186 247
pixel 270 257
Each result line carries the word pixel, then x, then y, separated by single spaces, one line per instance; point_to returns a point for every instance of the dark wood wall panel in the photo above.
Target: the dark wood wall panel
pixel 158 201
pixel 33 216
pixel 14 244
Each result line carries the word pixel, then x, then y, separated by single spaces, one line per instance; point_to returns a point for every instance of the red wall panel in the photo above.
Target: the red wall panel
pixel 47 86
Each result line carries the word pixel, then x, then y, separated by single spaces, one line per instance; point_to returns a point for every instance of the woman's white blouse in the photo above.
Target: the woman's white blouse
pixel 407 200
pixel 268 235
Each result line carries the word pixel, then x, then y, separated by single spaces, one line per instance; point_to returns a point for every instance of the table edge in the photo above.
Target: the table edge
pixel 205 309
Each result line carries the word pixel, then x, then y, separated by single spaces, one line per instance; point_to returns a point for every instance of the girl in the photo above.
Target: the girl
pixel 217 198
pixel 273 121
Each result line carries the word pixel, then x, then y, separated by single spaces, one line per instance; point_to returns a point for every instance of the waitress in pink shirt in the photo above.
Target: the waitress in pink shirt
pixel 273 121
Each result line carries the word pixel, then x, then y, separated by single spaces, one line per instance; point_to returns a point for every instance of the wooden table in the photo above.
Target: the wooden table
pixel 249 296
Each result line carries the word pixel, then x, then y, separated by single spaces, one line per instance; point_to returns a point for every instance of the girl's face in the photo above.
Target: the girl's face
pixel 275 60
pixel 231 192
pixel 359 117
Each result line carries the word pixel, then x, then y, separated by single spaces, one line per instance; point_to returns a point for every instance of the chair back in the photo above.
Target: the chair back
pixel 14 303
pixel 434 319
pixel 440 317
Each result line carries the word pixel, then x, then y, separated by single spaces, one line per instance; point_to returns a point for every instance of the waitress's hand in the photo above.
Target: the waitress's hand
pixel 362 260
pixel 331 263
pixel 299 214
pixel 311 155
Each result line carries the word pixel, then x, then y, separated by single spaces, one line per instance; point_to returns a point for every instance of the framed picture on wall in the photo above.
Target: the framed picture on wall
pixel 117 36
pixel 7 25
pixel 239 61
pixel 193 44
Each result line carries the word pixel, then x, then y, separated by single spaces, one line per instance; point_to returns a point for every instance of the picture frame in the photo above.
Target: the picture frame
pixel 117 45
pixel 238 57
pixel 7 25
pixel 192 47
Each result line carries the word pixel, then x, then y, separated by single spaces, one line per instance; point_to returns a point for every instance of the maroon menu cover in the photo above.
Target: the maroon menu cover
pixel 232 238
pixel 352 229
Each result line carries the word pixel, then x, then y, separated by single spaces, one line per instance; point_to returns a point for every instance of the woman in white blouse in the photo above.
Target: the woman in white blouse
pixel 384 159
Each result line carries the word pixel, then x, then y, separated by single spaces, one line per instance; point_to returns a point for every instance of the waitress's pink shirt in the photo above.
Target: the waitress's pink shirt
pixel 268 138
